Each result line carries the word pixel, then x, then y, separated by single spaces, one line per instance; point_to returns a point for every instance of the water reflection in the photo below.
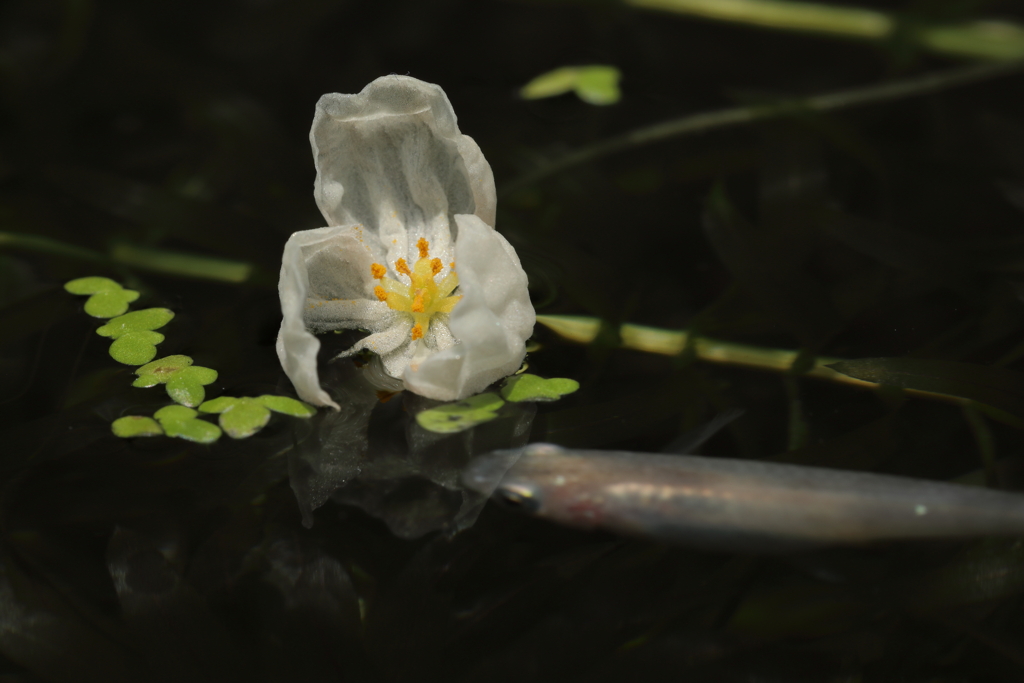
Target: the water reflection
pixel 373 455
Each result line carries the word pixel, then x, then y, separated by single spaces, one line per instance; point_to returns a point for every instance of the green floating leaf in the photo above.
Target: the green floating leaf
pixel 184 381
pixel 135 425
pixel 135 348
pixel 181 423
pixel 287 406
pixel 136 321
pixel 108 298
pixel 527 387
pixel 593 84
pixel 243 417
pixel 461 415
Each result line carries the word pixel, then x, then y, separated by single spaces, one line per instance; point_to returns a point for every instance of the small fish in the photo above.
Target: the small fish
pixel 736 504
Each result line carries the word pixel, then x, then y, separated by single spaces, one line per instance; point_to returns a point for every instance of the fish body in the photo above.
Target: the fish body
pixel 737 504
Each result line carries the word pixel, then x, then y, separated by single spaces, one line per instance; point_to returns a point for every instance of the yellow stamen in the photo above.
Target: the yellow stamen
pixel 422 298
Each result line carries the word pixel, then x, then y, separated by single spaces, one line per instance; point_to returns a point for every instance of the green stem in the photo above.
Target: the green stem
pixel 584 330
pixel 853 22
pixel 723 118
pixel 976 39
pixel 144 258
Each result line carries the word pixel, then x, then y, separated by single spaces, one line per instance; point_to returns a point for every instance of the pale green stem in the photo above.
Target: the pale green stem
pixel 155 260
pixel 976 39
pixel 584 330
pixel 180 263
pixel 723 118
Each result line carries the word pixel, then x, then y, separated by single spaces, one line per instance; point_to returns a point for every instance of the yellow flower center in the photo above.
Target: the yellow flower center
pixel 423 298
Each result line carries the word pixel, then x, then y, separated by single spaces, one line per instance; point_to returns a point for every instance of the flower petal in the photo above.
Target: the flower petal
pixel 492 321
pixel 386 344
pixel 325 284
pixel 392 159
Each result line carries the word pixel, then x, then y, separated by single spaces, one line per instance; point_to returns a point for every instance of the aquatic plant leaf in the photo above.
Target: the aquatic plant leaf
pixel 146 319
pixel 239 417
pixel 527 387
pixel 91 285
pixel 159 371
pixel 184 381
pixel 135 425
pixel 593 84
pixel 461 415
pixel 993 386
pixel 287 406
pixel 135 348
pixel 108 299
pixel 181 423
pixel 243 417
pixel 186 387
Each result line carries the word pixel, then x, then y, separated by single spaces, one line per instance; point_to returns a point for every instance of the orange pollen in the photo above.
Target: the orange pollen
pixel 402 267
pixel 381 293
pixel 378 271
pixel 436 266
pixel 417 303
pixel 424 246
pixel 417 332
pixel 452 265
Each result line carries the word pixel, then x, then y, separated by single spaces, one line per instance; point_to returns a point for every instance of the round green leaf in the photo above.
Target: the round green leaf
pixel 199 431
pixel 161 370
pixel 527 387
pixel 91 285
pixel 110 303
pixel 288 406
pixel 197 374
pixel 244 418
pixel 135 348
pixel 135 425
pixel 181 422
pixel 461 415
pixel 185 391
pixel 217 405
pixel 146 319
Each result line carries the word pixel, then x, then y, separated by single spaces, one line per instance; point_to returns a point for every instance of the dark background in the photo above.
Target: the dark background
pixel 892 230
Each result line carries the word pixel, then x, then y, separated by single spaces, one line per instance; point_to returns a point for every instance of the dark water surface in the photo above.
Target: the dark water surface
pixel 325 550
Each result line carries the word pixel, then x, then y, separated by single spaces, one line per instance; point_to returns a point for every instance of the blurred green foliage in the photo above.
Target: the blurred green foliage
pixel 593 84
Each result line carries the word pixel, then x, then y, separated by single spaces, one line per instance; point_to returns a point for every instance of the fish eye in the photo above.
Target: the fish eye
pixel 517 498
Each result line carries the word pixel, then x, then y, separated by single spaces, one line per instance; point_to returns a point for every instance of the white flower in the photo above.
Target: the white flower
pixel 411 255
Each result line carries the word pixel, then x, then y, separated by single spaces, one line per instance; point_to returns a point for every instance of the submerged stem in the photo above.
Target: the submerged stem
pixel 722 118
pixel 584 330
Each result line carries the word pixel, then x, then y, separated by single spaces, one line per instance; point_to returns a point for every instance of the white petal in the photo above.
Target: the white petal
pixel 492 320
pixel 393 160
pixel 385 342
pixel 325 284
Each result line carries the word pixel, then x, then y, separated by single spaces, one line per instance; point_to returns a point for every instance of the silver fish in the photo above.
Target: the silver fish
pixel 736 504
